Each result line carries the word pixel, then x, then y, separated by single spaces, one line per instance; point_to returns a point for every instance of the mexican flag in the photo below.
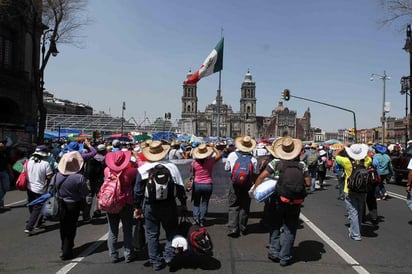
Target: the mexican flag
pixel 212 64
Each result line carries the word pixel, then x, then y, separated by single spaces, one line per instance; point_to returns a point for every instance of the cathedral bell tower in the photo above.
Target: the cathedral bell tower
pixel 189 106
pixel 248 105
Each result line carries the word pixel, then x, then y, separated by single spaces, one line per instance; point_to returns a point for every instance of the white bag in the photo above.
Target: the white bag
pixel 265 189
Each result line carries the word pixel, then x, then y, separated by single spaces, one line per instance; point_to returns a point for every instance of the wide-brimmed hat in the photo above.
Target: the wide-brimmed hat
pixel 155 151
pixel 245 143
pixel 41 150
pixel 322 152
pixel 287 148
pixel 202 151
pixel 70 163
pixel 118 160
pixel 73 146
pixel 380 148
pixel 357 151
pixel 271 149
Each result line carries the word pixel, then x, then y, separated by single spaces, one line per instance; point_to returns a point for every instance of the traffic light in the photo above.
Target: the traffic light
pixel 352 131
pixel 286 95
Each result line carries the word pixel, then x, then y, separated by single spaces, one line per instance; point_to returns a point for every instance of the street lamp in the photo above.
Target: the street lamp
pixel 405 89
pixel 123 109
pixel 408 48
pixel 383 77
pixel 53 51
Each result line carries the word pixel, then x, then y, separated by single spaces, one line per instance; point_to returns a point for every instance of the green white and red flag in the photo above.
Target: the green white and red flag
pixel 212 64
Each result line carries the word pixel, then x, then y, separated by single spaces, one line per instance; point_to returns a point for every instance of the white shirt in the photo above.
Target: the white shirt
pixel 37 173
pixel 174 171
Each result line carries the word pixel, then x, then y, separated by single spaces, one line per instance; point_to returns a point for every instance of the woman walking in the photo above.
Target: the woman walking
pixel 72 188
pixel 202 168
pixel 118 164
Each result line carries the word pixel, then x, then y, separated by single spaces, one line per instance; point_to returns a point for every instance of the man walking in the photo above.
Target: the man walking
pixel 350 157
pixel 290 193
pixel 244 168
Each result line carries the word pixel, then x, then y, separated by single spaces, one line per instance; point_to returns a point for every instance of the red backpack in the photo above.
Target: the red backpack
pixel 242 169
pixel 111 199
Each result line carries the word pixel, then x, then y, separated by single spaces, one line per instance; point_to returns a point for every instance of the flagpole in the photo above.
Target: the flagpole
pixel 219 95
pixel 218 104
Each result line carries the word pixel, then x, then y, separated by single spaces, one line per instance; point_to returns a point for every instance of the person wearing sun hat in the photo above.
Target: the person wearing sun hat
pixel 118 165
pixel 238 197
pixel 206 156
pixel 383 166
pixel 354 202
pixel 283 213
pixel 72 188
pixel 39 173
pixel 158 213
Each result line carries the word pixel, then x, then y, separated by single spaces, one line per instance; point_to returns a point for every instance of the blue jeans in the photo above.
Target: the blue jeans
pixel 239 208
pixel 4 186
pixel 126 216
pixel 201 196
pixel 160 213
pixel 313 174
pixel 286 216
pixel 341 182
pixel 354 206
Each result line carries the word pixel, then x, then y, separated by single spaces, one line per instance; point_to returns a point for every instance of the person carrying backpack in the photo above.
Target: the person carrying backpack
pixel 354 159
pixel 158 184
pixel 119 171
pixel 311 160
pixel 290 192
pixel 243 167
pixel 94 173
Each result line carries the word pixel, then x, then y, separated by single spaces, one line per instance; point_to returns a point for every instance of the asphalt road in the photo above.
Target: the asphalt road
pixel 322 244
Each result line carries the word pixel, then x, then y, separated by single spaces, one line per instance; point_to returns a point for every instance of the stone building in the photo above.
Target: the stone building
pixel 20 31
pixel 244 122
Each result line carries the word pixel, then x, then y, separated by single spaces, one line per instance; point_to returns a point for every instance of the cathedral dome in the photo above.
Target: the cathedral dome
pixel 248 78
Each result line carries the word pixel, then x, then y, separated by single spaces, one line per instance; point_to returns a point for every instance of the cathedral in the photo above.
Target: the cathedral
pixel 220 120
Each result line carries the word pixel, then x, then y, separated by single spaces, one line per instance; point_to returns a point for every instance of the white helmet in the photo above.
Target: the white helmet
pixel 179 243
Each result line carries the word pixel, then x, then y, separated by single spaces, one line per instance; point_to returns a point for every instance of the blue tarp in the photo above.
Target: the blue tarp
pixel 164 135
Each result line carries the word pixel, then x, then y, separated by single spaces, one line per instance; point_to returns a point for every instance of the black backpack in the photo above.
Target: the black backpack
pixel 94 169
pixel 291 182
pixel 361 178
pixel 160 185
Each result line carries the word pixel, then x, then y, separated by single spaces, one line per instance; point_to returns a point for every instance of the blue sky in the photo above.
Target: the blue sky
pixel 140 52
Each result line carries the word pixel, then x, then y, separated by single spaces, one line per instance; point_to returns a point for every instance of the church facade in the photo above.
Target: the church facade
pixel 219 119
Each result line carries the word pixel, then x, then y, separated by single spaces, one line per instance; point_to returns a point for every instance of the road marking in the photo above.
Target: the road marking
pixel 18 202
pixel 342 253
pixel 65 269
pixel 396 195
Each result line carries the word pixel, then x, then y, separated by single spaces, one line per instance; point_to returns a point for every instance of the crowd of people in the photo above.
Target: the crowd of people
pixel 79 169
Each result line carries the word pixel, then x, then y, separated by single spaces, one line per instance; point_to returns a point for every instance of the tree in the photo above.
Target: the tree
pixel 399 11
pixel 64 19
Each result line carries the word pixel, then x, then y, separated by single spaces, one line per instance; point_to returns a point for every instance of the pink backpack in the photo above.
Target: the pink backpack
pixel 111 199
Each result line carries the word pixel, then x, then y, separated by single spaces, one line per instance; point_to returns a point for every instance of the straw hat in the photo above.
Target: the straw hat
pixel 70 163
pixel 357 151
pixel 155 151
pixel 245 144
pixel 287 148
pixel 118 160
pixel 271 149
pixel 202 151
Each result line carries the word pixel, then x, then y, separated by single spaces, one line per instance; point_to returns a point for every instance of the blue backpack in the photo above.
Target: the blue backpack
pixel 242 169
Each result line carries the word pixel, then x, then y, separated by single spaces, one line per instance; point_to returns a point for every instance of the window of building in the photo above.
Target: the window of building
pixel 5 52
